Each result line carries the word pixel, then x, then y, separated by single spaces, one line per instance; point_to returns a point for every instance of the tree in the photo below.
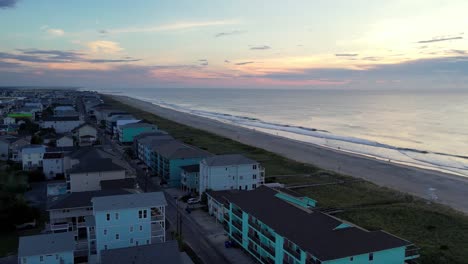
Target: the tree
pixel 36 140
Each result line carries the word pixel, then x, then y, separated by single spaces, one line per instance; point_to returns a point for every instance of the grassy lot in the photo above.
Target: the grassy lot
pixel 440 232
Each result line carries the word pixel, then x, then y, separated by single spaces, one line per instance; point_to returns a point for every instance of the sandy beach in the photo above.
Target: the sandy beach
pixel 450 190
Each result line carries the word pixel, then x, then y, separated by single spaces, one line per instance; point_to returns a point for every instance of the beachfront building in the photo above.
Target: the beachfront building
pixel 61 124
pixel 144 143
pixel 189 178
pixel 52 164
pixel 231 171
pixel 113 117
pixel 169 156
pixel 88 173
pixel 127 132
pixel 85 134
pixel 46 249
pixel 167 252
pixel 288 230
pixel 32 156
pixel 64 141
pixel 125 221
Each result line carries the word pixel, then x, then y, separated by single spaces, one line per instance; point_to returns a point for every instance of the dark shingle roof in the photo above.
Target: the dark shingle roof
pixel 229 159
pixel 125 201
pixel 80 199
pixel 127 183
pixel 61 118
pixel 173 149
pixel 95 165
pixel 167 252
pixel 313 231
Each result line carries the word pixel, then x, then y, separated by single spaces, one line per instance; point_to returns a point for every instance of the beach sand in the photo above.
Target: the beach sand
pixel 450 190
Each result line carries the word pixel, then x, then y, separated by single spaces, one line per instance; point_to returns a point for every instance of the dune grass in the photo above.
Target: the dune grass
pixel 440 232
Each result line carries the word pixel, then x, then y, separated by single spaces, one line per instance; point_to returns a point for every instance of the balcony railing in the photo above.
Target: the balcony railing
pixel 268 249
pixel 254 238
pixel 237 212
pixel 411 252
pixel 261 230
pixel 237 236
pixel 226 217
pixel 292 252
pixel 238 225
pixel 267 260
pixel 253 251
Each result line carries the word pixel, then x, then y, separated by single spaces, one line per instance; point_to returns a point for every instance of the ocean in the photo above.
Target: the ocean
pixel 427 129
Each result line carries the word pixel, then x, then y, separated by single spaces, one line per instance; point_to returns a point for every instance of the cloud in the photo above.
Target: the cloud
pixel 55 56
pixel 104 46
pixel 56 32
pixel 229 33
pixel 175 26
pixel 439 39
pixel 203 62
pixel 4 4
pixel 346 54
pixel 244 63
pixel 103 31
pixel 372 58
pixel 227 61
pixel 264 47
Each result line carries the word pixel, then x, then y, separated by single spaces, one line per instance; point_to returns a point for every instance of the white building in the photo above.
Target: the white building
pixel 64 141
pixel 226 172
pixel 61 124
pixel 85 134
pixel 31 156
pixel 88 174
pixel 52 165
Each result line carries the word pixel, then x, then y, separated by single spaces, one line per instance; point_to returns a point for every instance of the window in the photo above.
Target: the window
pixel 131 240
pixel 140 213
pixel 116 216
pixel 351 258
pixel 24 260
pixel 147 241
pixel 108 217
pixel 254 186
pixel 240 187
pixel 254 167
pixel 145 213
pixel 105 247
pixel 246 187
pixel 371 256
pixel 136 243
pixel 105 231
pixel 41 258
pixel 254 176
pixel 141 228
pixel 117 236
pixel 131 229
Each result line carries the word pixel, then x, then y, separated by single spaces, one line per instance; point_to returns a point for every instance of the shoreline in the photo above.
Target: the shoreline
pixel 450 189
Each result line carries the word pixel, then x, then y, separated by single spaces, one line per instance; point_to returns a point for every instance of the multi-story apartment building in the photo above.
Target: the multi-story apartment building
pixel 32 156
pixel 61 124
pixel 232 171
pixel 127 132
pixel 190 177
pixel 281 227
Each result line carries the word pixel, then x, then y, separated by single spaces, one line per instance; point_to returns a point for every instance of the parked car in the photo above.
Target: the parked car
pixel 193 200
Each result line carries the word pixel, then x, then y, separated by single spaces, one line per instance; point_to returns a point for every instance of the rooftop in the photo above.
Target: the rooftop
pixel 46 244
pixel 127 183
pixel 138 124
pixel 167 252
pixel 61 118
pixel 229 159
pixel 95 165
pixel 80 199
pixel 136 200
pixel 173 149
pixel 309 226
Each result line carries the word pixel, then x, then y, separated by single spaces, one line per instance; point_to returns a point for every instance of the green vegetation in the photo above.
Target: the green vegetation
pixel 439 231
pixel 13 208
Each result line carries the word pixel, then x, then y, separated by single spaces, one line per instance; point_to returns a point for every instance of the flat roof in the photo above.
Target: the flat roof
pixel 229 159
pixel 127 183
pixel 167 252
pixel 61 118
pixel 173 149
pixel 125 201
pixel 46 244
pixel 313 231
pixel 95 165
pixel 79 199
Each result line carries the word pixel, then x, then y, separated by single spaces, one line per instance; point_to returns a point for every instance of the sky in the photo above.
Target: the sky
pixel 320 44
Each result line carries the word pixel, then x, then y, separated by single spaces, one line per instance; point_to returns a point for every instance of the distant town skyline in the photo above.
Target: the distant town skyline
pixel 338 44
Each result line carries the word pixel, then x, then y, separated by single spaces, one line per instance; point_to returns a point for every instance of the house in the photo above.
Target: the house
pixel 65 110
pixel 144 143
pixel 61 124
pixel 46 248
pixel 10 147
pixel 232 171
pixel 189 177
pixel 169 156
pixel 87 174
pixel 127 220
pixel 31 157
pixel 9 120
pixel 67 212
pixel 64 141
pixel 289 231
pixel 167 252
pixel 52 164
pixel 127 132
pixel 85 134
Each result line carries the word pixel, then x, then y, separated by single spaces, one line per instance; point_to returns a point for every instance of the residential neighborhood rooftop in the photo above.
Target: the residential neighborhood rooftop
pixel 46 244
pixel 80 199
pixel 229 159
pixel 306 227
pixel 95 165
pixel 124 201
pixel 167 252
pixel 61 118
pixel 173 149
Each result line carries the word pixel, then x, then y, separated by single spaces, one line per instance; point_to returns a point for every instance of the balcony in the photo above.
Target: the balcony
pixel 226 217
pixel 253 251
pixel 267 260
pixel 411 252
pixel 237 236
pixel 59 226
pixel 257 226
pixel 254 238
pixel 237 213
pixel 292 252
pixel 268 249
pixel 237 224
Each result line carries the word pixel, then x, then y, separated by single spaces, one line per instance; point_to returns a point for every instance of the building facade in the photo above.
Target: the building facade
pixel 32 157
pixel 52 165
pixel 61 124
pixel 128 132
